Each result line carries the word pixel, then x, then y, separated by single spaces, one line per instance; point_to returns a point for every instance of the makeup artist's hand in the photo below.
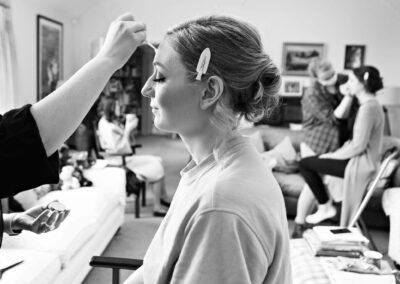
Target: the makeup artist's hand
pixel 123 37
pixel 39 219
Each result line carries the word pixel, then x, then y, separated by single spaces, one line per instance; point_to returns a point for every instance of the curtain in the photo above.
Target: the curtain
pixel 7 61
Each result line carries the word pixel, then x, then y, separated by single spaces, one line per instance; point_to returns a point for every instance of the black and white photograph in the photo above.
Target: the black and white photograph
pixel 49 55
pixel 297 56
pixel 354 56
pixel 199 142
pixel 292 87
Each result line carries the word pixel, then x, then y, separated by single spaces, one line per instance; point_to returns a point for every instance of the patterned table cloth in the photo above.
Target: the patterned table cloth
pixel 306 268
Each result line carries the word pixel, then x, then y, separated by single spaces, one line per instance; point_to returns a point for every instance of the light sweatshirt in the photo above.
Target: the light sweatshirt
pixel 226 224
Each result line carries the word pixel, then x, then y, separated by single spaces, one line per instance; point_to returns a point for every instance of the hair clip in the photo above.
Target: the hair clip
pixel 366 76
pixel 202 65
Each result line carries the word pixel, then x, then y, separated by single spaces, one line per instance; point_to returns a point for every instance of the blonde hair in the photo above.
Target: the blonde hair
pixel 238 58
pixel 320 67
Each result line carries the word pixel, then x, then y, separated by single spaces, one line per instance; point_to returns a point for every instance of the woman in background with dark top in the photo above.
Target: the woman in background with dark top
pixel 31 135
pixel 328 117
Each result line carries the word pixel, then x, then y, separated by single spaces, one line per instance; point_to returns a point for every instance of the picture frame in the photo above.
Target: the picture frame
pixel 292 87
pixel 297 56
pixel 354 56
pixel 49 55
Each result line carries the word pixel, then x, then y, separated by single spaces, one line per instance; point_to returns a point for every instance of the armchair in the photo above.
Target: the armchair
pixel 116 264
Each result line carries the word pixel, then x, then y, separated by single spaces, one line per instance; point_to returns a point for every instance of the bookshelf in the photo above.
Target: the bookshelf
pixel 126 83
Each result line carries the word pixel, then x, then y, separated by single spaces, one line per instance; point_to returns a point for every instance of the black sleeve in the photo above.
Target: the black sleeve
pixel 23 160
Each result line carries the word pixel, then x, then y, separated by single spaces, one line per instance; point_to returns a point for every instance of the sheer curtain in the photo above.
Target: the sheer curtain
pixel 7 61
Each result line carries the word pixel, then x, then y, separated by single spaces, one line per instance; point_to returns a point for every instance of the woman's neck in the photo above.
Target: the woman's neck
pixel 202 143
pixel 364 97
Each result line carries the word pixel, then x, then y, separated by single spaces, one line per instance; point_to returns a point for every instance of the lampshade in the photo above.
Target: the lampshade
pixel 389 96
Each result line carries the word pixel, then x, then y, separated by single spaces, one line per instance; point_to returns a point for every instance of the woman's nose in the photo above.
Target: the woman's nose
pixel 148 90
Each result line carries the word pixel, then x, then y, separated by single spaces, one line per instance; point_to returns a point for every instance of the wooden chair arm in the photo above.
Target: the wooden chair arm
pixel 134 147
pixel 115 262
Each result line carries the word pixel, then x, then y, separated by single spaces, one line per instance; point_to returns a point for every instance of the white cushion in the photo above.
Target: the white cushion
pixel 89 207
pixel 110 179
pixel 86 202
pixel 281 155
pixel 71 236
pixel 38 267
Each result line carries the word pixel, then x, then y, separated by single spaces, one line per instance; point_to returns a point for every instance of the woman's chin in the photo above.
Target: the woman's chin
pixel 160 126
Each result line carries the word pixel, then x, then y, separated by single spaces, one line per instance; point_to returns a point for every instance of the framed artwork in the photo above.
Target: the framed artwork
pixel 292 87
pixel 354 56
pixel 297 56
pixel 49 55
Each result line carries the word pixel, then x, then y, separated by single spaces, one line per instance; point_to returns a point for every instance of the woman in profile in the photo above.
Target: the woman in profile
pixel 227 221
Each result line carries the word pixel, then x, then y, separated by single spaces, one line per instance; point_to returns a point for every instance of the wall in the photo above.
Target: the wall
pixel 24 14
pixel 374 23
pixel 336 23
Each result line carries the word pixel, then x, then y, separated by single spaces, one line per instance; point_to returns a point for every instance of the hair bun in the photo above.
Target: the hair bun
pixel 370 77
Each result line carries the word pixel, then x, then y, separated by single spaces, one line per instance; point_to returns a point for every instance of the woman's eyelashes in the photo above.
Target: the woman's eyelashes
pixel 159 78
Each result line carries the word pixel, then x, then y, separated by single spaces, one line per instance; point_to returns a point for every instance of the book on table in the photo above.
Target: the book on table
pixel 340 235
pixel 323 242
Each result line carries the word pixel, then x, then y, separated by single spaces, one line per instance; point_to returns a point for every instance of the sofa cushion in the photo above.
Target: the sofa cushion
pixel 71 236
pixel 272 136
pixel 110 179
pixel 291 184
pixel 86 202
pixel 40 266
pixel 89 207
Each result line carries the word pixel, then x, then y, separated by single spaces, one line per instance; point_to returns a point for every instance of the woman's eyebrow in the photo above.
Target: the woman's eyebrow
pixel 156 63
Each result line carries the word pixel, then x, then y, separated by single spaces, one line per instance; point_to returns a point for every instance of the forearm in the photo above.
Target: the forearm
pixel 342 111
pixel 60 113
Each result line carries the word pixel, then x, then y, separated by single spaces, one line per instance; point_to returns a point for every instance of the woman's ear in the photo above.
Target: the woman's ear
pixel 212 92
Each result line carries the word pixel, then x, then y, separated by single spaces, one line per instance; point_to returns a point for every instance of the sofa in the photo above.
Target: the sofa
pixel 292 183
pixel 63 255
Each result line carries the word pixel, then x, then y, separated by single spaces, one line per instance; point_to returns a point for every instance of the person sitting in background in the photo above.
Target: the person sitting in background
pixel 115 138
pixel 328 118
pixel 325 113
pixel 357 160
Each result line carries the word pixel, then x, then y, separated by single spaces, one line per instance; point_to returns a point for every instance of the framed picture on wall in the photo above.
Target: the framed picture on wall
pixel 297 56
pixel 49 55
pixel 354 56
pixel 292 87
